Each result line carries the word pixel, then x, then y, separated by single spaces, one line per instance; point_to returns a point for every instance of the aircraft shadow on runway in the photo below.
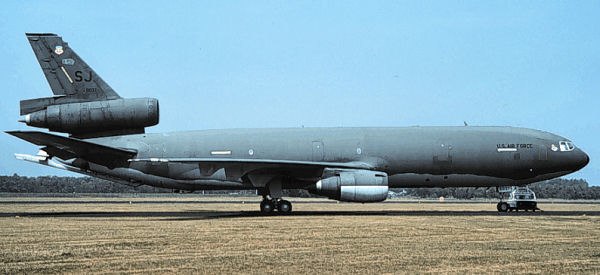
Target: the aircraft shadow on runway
pixel 200 215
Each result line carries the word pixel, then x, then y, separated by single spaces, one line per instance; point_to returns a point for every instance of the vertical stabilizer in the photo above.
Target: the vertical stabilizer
pixel 67 74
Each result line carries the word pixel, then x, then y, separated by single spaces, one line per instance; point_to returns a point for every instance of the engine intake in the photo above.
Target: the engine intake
pixel 97 116
pixel 354 186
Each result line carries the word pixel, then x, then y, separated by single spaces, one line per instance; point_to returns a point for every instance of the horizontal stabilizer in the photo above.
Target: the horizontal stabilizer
pixel 44 160
pixel 64 146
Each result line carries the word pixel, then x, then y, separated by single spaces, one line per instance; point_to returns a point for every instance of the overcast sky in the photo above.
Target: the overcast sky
pixel 224 64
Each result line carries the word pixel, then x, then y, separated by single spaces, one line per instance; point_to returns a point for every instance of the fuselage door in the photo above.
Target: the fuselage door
pixel 442 157
pixel 442 154
pixel 543 152
pixel 317 151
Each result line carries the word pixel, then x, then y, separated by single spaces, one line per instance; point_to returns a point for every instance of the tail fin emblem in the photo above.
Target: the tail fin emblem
pixel 58 50
pixel 68 61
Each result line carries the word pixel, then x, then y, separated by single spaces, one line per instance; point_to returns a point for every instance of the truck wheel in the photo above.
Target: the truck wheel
pixel 503 207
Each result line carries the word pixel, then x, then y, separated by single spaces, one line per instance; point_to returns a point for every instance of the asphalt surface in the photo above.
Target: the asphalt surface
pixel 153 201
pixel 185 215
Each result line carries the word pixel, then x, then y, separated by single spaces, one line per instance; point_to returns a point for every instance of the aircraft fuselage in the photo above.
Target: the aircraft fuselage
pixel 411 156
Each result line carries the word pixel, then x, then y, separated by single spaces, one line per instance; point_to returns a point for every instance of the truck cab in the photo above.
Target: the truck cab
pixel 519 198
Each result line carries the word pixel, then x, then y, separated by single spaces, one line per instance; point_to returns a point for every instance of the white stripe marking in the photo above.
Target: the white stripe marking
pixel 68 76
pixel 220 152
pixel 507 149
pixel 158 160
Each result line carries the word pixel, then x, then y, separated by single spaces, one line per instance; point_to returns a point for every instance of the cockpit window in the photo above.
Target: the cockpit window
pixel 566 146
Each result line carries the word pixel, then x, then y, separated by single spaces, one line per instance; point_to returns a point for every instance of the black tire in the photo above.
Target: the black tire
pixel 503 207
pixel 284 207
pixel 267 207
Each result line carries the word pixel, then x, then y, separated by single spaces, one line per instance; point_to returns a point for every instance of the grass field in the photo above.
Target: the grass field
pixel 64 235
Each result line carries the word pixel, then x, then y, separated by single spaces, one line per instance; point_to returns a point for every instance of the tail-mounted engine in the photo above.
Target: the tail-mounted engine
pixel 354 186
pixel 96 118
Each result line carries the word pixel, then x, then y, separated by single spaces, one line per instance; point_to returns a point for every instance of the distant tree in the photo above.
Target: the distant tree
pixel 555 188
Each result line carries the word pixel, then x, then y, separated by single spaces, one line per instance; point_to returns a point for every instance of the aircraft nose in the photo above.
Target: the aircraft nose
pixel 581 160
pixel 587 159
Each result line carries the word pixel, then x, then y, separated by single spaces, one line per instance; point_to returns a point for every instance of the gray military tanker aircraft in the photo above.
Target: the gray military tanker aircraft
pixel 107 140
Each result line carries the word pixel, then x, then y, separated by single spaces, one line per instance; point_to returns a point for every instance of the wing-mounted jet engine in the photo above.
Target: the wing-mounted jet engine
pixel 353 185
pixel 83 104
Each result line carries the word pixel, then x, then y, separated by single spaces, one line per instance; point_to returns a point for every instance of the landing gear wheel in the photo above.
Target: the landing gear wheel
pixel 267 207
pixel 502 207
pixel 285 207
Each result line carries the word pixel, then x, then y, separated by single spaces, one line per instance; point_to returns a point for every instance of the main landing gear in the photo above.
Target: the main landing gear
pixel 272 198
pixel 269 205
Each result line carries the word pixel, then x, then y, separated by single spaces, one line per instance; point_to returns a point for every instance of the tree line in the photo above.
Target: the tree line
pixel 569 189
pixel 555 188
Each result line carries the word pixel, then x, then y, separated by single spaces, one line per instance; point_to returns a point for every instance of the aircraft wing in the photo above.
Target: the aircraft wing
pixel 236 168
pixel 355 165
pixel 68 148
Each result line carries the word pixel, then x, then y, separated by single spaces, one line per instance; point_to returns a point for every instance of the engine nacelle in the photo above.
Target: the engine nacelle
pixel 97 116
pixel 354 186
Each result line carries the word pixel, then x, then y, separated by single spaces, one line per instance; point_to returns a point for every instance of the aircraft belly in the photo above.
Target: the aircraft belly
pixel 452 180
